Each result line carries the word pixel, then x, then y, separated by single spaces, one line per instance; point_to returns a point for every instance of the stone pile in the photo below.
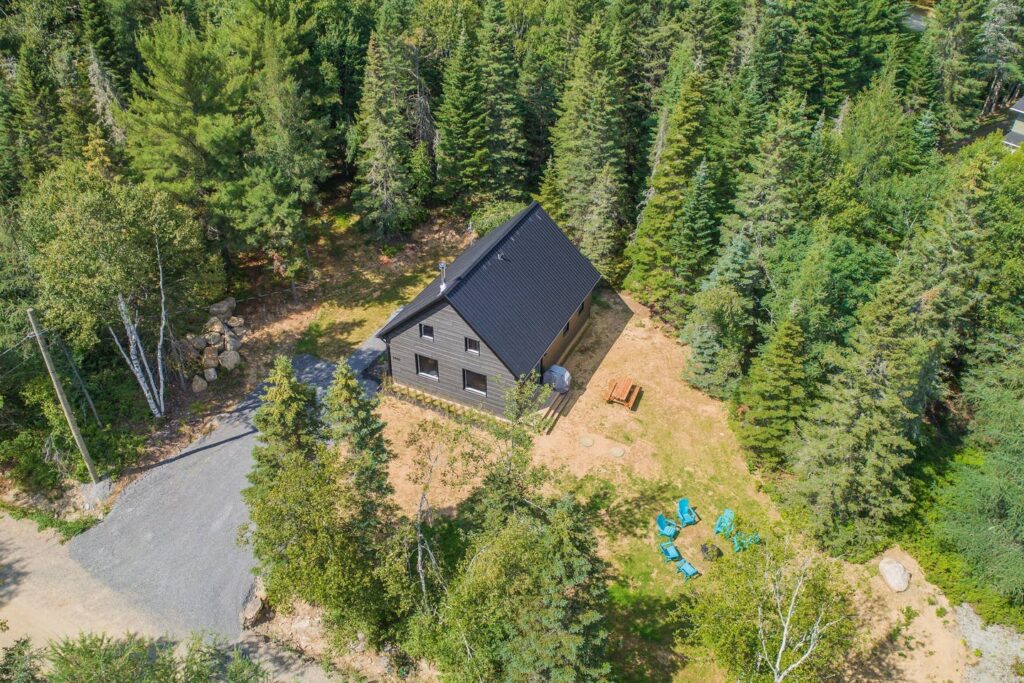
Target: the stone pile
pixel 218 346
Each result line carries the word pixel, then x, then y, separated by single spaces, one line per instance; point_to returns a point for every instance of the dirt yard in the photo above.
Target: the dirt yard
pixel 677 443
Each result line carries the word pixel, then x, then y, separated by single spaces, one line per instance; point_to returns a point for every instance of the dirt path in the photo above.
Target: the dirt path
pixel 46 594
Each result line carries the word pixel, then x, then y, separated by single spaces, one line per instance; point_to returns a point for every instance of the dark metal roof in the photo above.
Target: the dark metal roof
pixel 1013 139
pixel 1018 106
pixel 516 286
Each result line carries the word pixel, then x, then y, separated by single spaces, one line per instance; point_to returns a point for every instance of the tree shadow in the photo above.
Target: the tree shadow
pixel 609 316
pixel 12 572
pixel 624 510
pixel 877 664
pixel 643 630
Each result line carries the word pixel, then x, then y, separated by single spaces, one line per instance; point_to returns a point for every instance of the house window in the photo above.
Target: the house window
pixel 427 331
pixel 472 345
pixel 474 382
pixel 565 330
pixel 579 311
pixel 427 367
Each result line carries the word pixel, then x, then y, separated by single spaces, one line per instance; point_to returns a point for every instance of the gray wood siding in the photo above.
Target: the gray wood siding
pixel 449 350
pixel 561 343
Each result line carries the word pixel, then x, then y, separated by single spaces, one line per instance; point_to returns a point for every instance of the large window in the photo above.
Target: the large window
pixel 474 382
pixel 427 367
pixel 472 345
pixel 427 331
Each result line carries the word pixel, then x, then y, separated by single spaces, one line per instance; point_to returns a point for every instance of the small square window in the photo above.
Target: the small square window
pixel 472 345
pixel 426 367
pixel 427 331
pixel 474 382
pixel 565 330
pixel 579 311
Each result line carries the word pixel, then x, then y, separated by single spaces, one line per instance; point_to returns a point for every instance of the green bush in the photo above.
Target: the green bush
pixel 489 216
pixel 23 461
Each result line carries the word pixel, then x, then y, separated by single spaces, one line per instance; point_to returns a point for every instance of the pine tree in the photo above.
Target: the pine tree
pixel 587 144
pixel 602 227
pixel 288 419
pixel 36 110
pixel 462 154
pixel 385 194
pixel 651 275
pixel 694 240
pixel 773 398
pixel 99 34
pixel 78 114
pixel 184 136
pixel 627 64
pixel 506 146
pixel 1002 48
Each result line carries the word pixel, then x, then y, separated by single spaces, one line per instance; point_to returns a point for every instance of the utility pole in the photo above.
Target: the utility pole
pixel 65 406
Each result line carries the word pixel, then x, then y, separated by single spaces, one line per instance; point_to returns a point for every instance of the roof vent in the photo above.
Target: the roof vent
pixel 443 267
pixel 501 256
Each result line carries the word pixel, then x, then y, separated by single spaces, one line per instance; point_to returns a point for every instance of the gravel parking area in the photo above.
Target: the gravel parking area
pixel 169 544
pixel 1001 648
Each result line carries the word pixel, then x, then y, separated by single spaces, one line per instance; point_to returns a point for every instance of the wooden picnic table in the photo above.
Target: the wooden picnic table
pixel 623 391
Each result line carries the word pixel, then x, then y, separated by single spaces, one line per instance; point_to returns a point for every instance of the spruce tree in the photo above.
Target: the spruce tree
pixel 587 143
pixel 955 28
pixel 693 240
pixel 288 418
pixel 385 194
pixel 36 110
pixel 9 172
pixel 506 145
pixel 462 127
pixel 602 227
pixel 651 260
pixel 773 398
pixel 99 34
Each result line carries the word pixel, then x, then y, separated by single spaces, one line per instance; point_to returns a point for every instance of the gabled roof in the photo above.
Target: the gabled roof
pixel 1018 106
pixel 516 286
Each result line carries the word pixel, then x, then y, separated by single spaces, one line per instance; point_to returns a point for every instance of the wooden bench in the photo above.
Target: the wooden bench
pixel 624 391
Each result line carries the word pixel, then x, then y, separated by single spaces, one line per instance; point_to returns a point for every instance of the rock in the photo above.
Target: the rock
pixel 240 331
pixel 198 343
pixel 255 606
pixel 210 374
pixel 232 342
pixel 215 325
pixel 198 385
pixel 210 359
pixel 259 589
pixel 895 574
pixel 229 360
pixel 188 350
pixel 223 309
pixel 214 339
pixel 236 321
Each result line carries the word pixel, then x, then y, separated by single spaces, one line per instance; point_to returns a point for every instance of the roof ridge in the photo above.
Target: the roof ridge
pixel 509 226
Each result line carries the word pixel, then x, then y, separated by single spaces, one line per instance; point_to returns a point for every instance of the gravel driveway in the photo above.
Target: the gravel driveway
pixel 169 542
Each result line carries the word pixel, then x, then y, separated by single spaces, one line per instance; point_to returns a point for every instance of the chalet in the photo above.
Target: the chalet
pixel 1015 136
pixel 511 303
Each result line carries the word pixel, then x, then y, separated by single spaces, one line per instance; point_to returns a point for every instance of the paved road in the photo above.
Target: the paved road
pixel 169 542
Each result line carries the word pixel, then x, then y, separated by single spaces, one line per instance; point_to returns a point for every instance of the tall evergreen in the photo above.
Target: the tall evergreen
pixel 506 145
pixel 773 397
pixel 36 110
pixel 955 29
pixel 651 260
pixel 462 127
pixel 98 29
pixel 9 172
pixel 385 194
pixel 693 240
pixel 587 143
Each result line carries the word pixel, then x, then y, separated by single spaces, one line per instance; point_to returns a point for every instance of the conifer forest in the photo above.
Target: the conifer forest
pixel 813 196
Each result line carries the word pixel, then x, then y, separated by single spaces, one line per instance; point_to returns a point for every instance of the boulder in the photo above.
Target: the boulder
pixel 214 339
pixel 210 359
pixel 198 385
pixel 255 606
pixel 188 351
pixel 240 331
pixel 232 342
pixel 210 374
pixel 223 309
pixel 895 574
pixel 215 325
pixel 236 321
pixel 198 343
pixel 229 360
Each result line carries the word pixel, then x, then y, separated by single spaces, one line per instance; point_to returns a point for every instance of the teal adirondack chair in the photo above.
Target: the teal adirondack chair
pixel 725 524
pixel 687 515
pixel 669 551
pixel 666 528
pixel 686 569
pixel 741 541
